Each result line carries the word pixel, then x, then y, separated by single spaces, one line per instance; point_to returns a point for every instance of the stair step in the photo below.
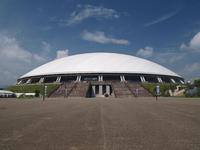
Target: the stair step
pixel 80 90
pixel 121 90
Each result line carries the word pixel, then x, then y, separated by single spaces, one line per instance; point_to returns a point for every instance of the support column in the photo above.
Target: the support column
pixel 58 79
pixel 100 78
pixel 124 78
pixel 28 81
pixel 173 80
pixel 108 89
pixel 94 90
pixel 19 82
pixel 142 79
pixel 78 78
pixel 159 79
pixel 121 78
pixel 41 80
pixel 100 89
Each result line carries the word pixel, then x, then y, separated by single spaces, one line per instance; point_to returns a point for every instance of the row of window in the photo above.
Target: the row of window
pixel 132 78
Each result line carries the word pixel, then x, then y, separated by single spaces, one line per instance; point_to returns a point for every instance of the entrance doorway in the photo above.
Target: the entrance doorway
pixel 100 90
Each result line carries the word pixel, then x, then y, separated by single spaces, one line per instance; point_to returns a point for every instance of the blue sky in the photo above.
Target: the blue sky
pixel 35 32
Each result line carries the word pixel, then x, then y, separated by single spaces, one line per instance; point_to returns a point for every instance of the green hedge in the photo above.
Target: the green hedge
pixel 193 90
pixel 164 88
pixel 33 88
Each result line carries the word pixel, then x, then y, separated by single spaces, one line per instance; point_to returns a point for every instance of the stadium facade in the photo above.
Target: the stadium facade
pixel 99 72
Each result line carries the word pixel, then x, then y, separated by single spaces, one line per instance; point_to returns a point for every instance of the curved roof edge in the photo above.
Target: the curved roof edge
pixel 112 63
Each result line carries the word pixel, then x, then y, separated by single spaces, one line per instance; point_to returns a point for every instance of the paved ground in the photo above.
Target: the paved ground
pixel 100 124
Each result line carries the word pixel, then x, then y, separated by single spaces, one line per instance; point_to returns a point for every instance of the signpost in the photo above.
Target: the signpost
pixel 136 92
pixel 44 91
pixel 65 95
pixel 157 91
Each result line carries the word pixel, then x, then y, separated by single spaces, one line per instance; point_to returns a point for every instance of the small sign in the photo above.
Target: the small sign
pixel 45 90
pixel 157 90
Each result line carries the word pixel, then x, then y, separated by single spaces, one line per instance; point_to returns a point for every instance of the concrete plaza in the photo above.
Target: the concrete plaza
pixel 100 124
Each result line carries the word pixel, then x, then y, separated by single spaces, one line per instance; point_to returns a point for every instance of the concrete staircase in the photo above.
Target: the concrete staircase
pixel 63 90
pixel 138 90
pixel 80 89
pixel 121 90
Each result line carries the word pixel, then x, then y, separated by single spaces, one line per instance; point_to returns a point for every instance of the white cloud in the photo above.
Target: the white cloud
pixel 162 57
pixel 88 11
pixel 45 50
pixel 62 53
pixel 161 19
pixel 100 37
pixel 15 60
pixel 194 43
pixel 179 61
pixel 183 46
pixel 145 52
pixel 169 57
pixel 192 68
pixel 46 46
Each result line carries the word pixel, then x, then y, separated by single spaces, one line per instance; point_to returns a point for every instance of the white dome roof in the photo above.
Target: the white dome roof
pixel 100 63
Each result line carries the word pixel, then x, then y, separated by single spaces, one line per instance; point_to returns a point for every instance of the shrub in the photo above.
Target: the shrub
pixel 164 88
pixel 33 88
pixel 37 93
pixel 197 83
pixel 106 95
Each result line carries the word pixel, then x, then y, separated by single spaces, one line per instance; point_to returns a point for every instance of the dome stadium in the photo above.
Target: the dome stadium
pixel 100 71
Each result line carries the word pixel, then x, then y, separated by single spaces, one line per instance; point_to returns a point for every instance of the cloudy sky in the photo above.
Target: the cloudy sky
pixel 33 32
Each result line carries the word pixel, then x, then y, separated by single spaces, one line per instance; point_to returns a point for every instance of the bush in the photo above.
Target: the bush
pixel 197 83
pixel 33 88
pixel 195 92
pixel 198 92
pixel 37 93
pixel 106 95
pixel 164 88
pixel 187 94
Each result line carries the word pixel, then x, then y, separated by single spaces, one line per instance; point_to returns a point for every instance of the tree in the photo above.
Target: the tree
pixel 37 93
pixel 197 83
pixel 198 91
